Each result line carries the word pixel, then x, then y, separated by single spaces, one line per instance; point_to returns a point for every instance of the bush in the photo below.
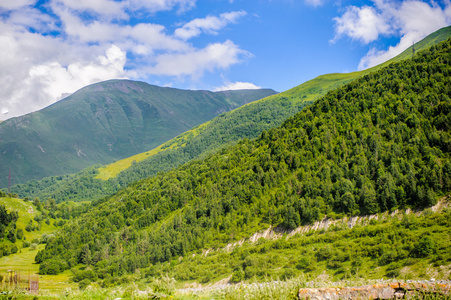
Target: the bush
pixel 29 227
pixel 19 233
pixel 12 236
pixel 52 267
pixel 83 284
pixel 85 274
pixel 237 276
pixel 424 247
pixel 288 274
pixel 45 238
pixel 304 263
pixel 164 285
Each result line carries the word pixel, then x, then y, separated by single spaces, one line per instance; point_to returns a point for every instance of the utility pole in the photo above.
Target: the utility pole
pixel 9 181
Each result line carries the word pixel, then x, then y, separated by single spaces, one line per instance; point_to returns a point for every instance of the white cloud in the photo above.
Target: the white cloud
pixel 197 61
pixel 46 56
pixel 122 9
pixel 363 24
pixel 210 24
pixel 35 85
pixel 109 8
pixel 28 17
pixel 411 20
pixel 314 2
pixel 160 5
pixel 15 4
pixel 237 86
pixel 57 81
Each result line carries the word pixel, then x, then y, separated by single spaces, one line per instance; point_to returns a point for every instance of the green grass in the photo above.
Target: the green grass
pixel 381 249
pixel 112 170
pixel 27 211
pixel 23 263
pixel 23 260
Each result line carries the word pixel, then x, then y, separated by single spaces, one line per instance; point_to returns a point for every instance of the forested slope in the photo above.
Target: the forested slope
pixel 379 143
pixel 245 122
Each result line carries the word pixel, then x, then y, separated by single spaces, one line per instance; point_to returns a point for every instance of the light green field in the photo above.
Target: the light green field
pixel 23 261
pixel 26 211
pixel 111 170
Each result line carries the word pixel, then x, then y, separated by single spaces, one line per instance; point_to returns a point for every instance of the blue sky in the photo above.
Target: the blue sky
pixel 51 48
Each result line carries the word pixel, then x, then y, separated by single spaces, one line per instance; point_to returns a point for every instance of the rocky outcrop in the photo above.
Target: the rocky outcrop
pixel 392 290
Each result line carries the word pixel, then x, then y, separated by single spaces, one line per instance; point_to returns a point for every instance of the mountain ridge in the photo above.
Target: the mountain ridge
pixel 105 122
pixel 245 122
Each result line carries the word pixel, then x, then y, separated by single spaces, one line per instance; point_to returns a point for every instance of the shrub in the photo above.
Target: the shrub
pixel 52 267
pixel 14 249
pixel 19 233
pixel 237 276
pixel 164 285
pixel 29 227
pixel 424 247
pixel 83 284
pixel 304 263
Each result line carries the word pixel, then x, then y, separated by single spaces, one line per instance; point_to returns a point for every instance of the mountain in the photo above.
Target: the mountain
pixel 105 122
pixel 247 121
pixel 377 144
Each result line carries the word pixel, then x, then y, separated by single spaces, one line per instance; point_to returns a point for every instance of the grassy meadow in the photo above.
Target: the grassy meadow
pixel 23 261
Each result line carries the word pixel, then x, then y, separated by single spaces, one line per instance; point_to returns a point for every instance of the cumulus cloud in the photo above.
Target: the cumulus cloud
pixel 49 53
pixel 33 86
pixel 239 85
pixel 109 8
pixel 197 61
pixel 55 80
pixel 361 23
pixel 28 17
pixel 411 20
pixel 210 24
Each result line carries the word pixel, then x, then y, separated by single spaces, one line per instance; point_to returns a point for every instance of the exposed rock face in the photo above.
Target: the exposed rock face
pixel 393 290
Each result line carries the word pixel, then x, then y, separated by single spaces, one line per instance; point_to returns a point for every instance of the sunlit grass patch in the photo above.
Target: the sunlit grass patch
pixel 112 170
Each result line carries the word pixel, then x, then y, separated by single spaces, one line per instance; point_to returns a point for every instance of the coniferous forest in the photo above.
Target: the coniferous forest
pixel 377 144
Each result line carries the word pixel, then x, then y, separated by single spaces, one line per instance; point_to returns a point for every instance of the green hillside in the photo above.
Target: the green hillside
pixel 105 122
pixel 379 143
pixel 247 121
pixel 402 246
pixel 37 225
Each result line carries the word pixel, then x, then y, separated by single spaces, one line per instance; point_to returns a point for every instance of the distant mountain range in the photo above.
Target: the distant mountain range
pixel 104 122
pixel 247 121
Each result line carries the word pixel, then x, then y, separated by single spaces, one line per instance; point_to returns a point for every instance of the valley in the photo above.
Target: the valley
pixel 245 122
pixel 344 180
